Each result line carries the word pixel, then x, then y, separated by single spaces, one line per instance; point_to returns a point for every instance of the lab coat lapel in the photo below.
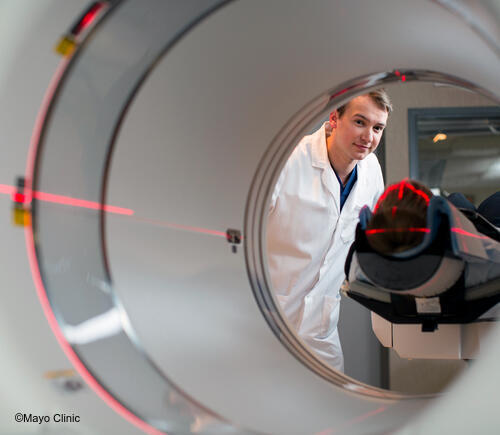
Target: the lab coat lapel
pixel 332 184
pixel 320 160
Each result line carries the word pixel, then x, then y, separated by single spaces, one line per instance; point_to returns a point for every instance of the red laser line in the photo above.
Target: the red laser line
pixel 342 91
pixel 422 230
pixel 397 230
pixel 384 195
pixel 401 189
pixel 7 190
pixel 89 17
pixel 83 203
pixel 418 192
pixel 38 127
pixel 181 227
pixel 18 197
pixel 60 199
pixel 466 233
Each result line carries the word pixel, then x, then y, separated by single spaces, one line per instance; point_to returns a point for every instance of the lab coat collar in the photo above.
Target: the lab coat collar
pixel 319 159
pixel 319 153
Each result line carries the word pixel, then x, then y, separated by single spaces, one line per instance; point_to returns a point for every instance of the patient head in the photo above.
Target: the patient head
pixel 399 219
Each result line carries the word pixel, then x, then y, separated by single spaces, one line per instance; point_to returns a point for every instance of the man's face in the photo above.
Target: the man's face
pixel 360 128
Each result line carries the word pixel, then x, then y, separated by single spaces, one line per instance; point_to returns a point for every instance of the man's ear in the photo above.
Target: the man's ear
pixel 328 129
pixel 333 119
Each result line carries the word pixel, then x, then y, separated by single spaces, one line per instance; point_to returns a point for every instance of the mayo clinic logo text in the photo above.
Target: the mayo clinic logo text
pixel 56 418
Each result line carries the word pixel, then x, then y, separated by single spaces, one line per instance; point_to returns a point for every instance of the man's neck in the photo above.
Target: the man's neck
pixel 342 164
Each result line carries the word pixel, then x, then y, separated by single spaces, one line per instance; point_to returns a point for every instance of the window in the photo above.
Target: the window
pixel 456 149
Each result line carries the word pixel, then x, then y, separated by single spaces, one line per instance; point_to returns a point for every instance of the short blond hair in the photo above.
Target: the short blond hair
pixel 379 96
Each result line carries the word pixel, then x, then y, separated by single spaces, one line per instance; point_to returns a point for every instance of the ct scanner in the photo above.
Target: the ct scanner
pixel 178 116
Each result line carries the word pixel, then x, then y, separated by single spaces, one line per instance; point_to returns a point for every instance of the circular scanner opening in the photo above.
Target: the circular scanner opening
pixel 441 133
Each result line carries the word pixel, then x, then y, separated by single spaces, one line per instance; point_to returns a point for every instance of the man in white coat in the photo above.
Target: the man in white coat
pixel 314 210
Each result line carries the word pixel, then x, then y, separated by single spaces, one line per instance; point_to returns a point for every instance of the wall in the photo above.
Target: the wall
pixel 417 95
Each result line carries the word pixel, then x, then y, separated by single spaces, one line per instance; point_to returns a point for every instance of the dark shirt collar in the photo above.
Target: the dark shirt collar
pixel 345 190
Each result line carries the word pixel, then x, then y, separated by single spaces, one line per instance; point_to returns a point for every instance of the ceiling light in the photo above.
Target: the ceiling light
pixel 438 137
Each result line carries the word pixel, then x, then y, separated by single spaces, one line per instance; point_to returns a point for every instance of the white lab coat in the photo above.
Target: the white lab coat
pixel 308 239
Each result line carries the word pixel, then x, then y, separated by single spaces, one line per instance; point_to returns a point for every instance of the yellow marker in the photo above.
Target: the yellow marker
pixel 20 216
pixel 66 46
pixel 54 374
